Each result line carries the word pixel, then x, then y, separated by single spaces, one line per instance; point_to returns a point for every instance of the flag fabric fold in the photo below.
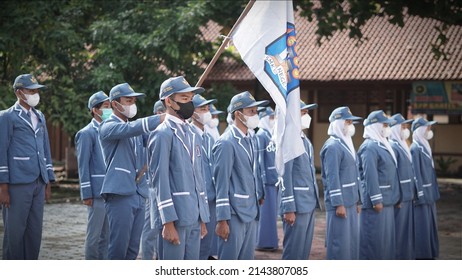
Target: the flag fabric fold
pixel 266 41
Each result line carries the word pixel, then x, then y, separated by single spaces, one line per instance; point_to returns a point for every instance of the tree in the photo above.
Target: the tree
pixel 352 15
pixel 79 47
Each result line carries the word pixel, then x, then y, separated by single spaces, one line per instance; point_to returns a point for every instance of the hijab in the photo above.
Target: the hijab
pixel 396 135
pixel 337 128
pixel 373 132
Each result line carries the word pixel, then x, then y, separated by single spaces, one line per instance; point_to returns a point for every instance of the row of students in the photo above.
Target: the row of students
pixel 380 201
pixel 298 197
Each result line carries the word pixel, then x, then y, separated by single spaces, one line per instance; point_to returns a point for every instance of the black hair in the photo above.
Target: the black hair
pixel 232 114
pixel 97 106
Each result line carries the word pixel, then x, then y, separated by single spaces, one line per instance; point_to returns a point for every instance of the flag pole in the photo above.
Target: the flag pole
pixel 224 44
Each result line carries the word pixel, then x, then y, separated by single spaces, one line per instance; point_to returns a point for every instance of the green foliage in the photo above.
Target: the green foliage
pixel 78 47
pixel 223 92
pixel 444 165
pixel 351 15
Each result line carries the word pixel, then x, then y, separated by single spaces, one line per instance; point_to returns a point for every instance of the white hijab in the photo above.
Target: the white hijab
pixel 372 131
pixel 212 131
pixel 396 135
pixel 337 128
pixel 265 124
pixel 419 136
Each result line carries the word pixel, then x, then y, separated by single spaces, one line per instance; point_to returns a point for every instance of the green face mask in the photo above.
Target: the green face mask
pixel 106 113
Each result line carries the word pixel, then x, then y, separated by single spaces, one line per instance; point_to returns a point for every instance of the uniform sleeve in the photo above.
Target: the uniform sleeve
pixel 223 157
pixel 159 148
pixel 83 145
pixel 261 147
pixel 416 163
pixel 287 189
pixel 370 175
pixel 313 172
pixel 5 134
pixel 330 158
pixel 46 149
pixel 121 130
pixel 259 170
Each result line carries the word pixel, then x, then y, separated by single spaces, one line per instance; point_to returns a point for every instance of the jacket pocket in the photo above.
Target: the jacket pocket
pixel 180 193
pixel 348 185
pixel 122 169
pixel 21 158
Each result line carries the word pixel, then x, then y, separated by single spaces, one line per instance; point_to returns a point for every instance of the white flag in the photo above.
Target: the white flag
pixel 266 42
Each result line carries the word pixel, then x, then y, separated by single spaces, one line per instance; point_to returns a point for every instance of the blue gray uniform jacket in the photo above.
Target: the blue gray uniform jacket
pixel 92 168
pixel 379 178
pixel 235 182
pixel 24 153
pixel 406 175
pixel 124 154
pixel 266 157
pixel 177 176
pixel 207 145
pixel 300 192
pixel 425 174
pixel 340 174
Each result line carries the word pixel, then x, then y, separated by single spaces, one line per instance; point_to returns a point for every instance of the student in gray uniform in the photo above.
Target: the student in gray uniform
pixel 199 120
pixel 26 171
pixel 379 189
pixel 404 211
pixel 267 233
pixel 152 225
pixel 212 127
pixel 340 177
pixel 125 185
pixel 92 170
pixel 175 167
pixel 299 197
pixel 237 200
pixel 425 214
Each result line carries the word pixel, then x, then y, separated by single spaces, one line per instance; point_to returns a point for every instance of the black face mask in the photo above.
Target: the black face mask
pixel 186 109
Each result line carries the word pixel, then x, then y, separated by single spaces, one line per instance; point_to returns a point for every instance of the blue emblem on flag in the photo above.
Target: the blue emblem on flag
pixel 281 61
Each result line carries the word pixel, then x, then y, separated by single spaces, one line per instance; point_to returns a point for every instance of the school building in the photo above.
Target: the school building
pixel 394 69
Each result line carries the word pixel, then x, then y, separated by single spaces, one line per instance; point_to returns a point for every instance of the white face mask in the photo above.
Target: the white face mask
pixel 305 121
pixel 385 131
pixel 251 121
pixel 213 123
pixel 129 110
pixel 351 130
pixel 428 134
pixel 405 133
pixel 32 99
pixel 204 118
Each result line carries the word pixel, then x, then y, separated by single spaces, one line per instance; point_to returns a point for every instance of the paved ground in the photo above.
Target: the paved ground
pixel 65 220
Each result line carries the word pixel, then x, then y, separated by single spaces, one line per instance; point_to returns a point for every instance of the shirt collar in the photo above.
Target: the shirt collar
pixel 200 131
pixel 24 109
pixel 115 116
pixel 241 132
pixel 174 119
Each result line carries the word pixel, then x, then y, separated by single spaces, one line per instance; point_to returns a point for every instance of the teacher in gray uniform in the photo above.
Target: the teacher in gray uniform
pixel 26 171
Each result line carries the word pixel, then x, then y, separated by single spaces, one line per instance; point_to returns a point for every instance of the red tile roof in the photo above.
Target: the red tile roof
pixel 390 53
